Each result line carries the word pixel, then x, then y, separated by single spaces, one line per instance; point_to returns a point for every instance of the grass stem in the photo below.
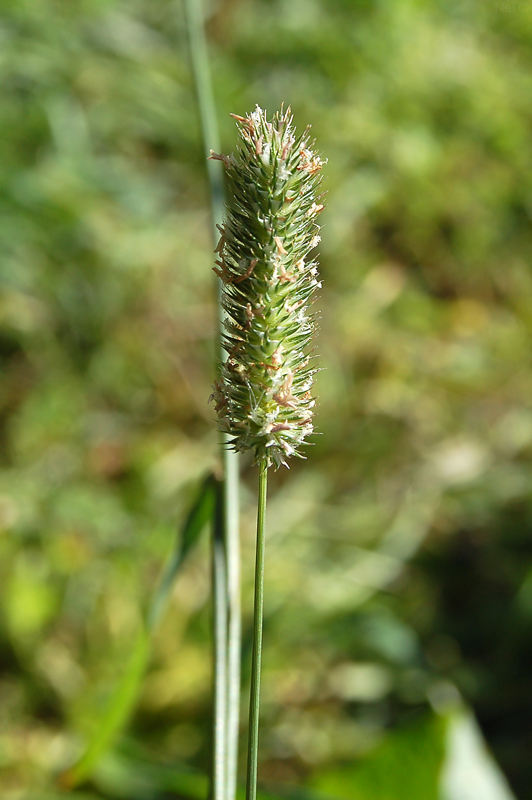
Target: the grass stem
pixel 227 645
pixel 258 615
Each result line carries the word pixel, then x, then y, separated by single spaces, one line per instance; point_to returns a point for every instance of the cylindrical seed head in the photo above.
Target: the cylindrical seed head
pixel 269 278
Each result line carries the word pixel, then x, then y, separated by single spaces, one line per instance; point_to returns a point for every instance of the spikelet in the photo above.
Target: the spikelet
pixel 269 278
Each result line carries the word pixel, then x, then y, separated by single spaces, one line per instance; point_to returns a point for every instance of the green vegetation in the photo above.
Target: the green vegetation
pixel 399 555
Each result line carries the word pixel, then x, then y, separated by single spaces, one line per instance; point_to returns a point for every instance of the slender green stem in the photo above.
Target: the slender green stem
pixel 227 647
pixel 258 614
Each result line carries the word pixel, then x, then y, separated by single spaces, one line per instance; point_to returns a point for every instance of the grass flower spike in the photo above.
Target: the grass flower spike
pixel 263 397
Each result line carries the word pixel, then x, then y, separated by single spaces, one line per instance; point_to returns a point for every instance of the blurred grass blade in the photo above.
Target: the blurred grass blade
pixel 123 699
pixel 116 715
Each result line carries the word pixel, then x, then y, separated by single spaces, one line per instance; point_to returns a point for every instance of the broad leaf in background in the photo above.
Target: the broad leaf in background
pixel 406 766
pixel 470 771
pixel 440 757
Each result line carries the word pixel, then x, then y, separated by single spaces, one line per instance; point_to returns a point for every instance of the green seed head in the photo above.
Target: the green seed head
pixel 263 397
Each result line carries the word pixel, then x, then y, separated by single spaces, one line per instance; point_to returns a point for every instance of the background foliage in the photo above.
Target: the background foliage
pixel 399 572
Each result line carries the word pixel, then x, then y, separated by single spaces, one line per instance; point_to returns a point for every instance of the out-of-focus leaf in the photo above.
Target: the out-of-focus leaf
pixel 406 766
pixel 470 771
pixel 31 601
pixel 443 757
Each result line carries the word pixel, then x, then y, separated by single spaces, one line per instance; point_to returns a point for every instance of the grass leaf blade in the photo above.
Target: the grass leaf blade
pixel 123 700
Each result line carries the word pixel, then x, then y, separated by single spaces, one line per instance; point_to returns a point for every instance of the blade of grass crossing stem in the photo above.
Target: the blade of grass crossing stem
pixel 232 641
pixel 199 515
pixel 256 661
pixel 113 719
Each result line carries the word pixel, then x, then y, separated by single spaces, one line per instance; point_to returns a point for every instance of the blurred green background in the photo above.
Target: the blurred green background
pixel 399 560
